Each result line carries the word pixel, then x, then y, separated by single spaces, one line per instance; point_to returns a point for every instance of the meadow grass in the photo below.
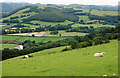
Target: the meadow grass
pixel 104 13
pixel 63 33
pixel 94 25
pixel 66 22
pixel 9 37
pixel 30 26
pixel 81 17
pixel 78 62
pixel 10 46
pixel 36 39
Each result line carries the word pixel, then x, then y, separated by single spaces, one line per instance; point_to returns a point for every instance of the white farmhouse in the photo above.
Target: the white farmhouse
pixel 20 47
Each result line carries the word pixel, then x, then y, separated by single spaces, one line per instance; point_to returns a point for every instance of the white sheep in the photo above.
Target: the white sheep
pixel 26 56
pixel 99 54
pixel 104 75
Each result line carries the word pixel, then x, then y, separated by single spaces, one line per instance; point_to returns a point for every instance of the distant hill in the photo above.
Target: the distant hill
pixel 102 7
pixel 44 13
pixel 8 7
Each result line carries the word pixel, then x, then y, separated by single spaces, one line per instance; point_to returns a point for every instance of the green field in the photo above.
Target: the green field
pixel 8 26
pixel 37 39
pixel 52 23
pixel 85 18
pixel 63 33
pixel 10 46
pixel 30 26
pixel 94 25
pixel 104 13
pixel 78 62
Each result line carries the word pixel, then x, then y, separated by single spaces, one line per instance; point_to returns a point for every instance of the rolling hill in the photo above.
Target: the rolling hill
pixel 8 7
pixel 95 7
pixel 53 15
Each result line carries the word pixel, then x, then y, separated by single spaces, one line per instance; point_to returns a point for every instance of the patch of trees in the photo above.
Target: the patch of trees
pixel 112 20
pixel 32 23
pixel 82 13
pixel 10 21
pixel 18 26
pixel 14 17
pixel 23 16
pixel 59 27
pixel 54 32
pixel 86 29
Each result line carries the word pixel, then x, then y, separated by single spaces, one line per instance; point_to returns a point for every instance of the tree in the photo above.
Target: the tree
pixel 54 32
pixel 74 45
pixel 33 35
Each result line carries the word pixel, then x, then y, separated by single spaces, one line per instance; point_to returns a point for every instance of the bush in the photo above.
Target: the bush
pixel 66 49
pixel 54 32
pixel 107 41
pixel 84 44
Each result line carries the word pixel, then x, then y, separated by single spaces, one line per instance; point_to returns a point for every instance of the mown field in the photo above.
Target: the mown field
pixel 52 23
pixel 10 46
pixel 94 25
pixel 83 17
pixel 63 33
pixel 38 34
pixel 78 62
pixel 37 39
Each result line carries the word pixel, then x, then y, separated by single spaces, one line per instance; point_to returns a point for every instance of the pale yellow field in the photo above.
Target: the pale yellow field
pixel 63 33
pixel 30 34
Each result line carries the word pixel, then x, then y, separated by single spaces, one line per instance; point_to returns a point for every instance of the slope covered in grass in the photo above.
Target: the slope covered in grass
pixel 78 62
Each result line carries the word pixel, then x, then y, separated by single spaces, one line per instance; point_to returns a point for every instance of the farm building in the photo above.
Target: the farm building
pixel 20 47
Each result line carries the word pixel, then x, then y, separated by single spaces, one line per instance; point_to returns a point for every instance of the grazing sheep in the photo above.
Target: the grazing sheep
pixel 114 74
pixel 26 56
pixel 99 54
pixel 104 75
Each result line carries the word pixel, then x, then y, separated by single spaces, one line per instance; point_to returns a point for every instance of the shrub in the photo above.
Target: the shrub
pixel 54 32
pixel 84 44
pixel 107 41
pixel 66 49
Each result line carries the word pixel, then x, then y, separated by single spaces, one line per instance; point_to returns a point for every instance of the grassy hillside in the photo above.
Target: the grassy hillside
pixel 78 62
